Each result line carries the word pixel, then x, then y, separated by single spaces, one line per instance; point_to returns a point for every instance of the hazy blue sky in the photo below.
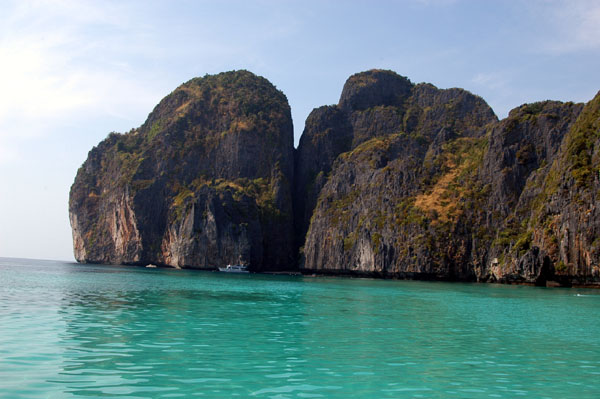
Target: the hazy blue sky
pixel 71 71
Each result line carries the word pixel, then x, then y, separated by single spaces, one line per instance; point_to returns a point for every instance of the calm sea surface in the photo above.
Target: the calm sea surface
pixel 81 331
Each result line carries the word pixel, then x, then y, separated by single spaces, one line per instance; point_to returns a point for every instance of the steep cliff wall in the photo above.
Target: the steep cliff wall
pixel 205 181
pixel 373 104
pixel 522 149
pixel 431 186
pixel 396 180
pixel 559 233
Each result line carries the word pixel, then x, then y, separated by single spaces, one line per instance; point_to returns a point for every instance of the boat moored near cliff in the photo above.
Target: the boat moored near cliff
pixel 234 269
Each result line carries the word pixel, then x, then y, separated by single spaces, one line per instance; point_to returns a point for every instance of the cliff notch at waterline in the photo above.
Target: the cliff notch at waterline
pixel 396 180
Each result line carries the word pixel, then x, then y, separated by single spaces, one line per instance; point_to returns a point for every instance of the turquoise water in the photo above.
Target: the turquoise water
pixel 81 331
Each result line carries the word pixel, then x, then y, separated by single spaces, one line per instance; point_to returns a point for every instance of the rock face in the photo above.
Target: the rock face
pixel 560 226
pixel 417 182
pixel 205 181
pixel 396 180
pixel 378 104
pixel 372 213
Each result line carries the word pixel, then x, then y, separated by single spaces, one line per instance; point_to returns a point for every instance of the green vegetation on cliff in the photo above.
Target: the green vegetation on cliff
pixel 217 150
pixel 397 179
pixel 582 154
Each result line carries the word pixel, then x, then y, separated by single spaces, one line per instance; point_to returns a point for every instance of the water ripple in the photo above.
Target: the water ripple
pixel 69 331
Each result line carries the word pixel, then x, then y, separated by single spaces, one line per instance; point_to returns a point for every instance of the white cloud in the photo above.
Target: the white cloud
pixel 497 88
pixel 8 153
pixel 491 80
pixel 574 25
pixel 32 82
pixel 436 2
pixel 55 67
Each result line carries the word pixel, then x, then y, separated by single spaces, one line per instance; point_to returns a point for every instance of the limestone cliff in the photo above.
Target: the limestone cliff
pixel 427 184
pixel 558 238
pixel 396 180
pixel 205 181
pixel 373 104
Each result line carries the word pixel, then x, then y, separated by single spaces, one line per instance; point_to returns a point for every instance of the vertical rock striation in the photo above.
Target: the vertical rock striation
pixel 384 135
pixel 396 180
pixel 205 181
pixel 428 184
pixel 560 223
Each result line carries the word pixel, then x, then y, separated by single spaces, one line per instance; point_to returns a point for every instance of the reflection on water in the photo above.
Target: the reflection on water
pixel 69 330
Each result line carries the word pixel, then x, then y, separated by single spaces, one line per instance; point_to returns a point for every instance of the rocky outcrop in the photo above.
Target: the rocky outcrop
pixel 522 149
pixel 432 187
pixel 526 140
pixel 563 224
pixel 396 180
pixel 373 215
pixel 327 134
pixel 205 181
pixel 373 104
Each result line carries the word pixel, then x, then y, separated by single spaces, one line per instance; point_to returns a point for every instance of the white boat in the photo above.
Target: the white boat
pixel 234 269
